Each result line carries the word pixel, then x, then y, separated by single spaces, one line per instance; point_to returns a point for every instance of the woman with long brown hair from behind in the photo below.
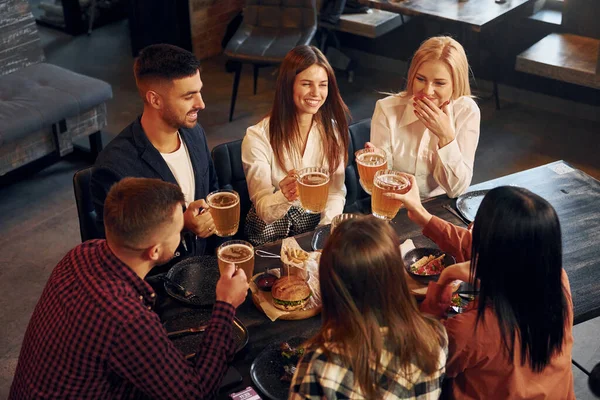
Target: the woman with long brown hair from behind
pixel 374 343
pixel 307 127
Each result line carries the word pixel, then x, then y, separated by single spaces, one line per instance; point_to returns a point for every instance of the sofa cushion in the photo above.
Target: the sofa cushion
pixel 44 94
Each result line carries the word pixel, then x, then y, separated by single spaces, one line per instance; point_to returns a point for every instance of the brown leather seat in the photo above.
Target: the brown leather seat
pixel 269 30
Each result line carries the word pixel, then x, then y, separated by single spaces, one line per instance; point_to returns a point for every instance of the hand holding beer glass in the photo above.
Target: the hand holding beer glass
pixel 313 189
pixel 388 181
pixel 225 210
pixel 238 252
pixel 369 161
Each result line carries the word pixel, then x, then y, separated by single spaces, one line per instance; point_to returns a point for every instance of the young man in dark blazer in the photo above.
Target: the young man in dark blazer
pixel 166 141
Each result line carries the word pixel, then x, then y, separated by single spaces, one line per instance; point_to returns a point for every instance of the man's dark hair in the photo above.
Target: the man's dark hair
pixel 166 62
pixel 135 208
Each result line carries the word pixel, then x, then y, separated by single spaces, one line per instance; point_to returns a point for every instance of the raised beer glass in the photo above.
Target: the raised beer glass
pixel 338 219
pixel 388 181
pixel 238 252
pixel 369 161
pixel 225 210
pixel 313 188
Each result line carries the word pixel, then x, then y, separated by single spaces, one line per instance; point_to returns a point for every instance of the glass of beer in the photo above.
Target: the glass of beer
pixel 369 161
pixel 313 189
pixel 338 219
pixel 225 210
pixel 238 252
pixel 388 181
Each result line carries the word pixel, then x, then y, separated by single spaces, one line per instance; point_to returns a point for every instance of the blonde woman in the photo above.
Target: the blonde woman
pixel 374 343
pixel 431 129
pixel 307 127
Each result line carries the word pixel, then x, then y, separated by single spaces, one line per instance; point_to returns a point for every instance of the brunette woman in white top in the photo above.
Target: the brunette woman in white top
pixel 431 129
pixel 306 127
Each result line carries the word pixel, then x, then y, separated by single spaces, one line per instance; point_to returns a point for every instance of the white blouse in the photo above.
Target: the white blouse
pixel 413 149
pixel 263 174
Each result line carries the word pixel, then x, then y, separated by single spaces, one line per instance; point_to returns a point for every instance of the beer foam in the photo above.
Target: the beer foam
pixel 236 253
pixel 314 179
pixel 391 181
pixel 370 159
pixel 223 200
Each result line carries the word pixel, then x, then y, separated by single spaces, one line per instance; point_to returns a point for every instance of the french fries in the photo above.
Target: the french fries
pixel 295 255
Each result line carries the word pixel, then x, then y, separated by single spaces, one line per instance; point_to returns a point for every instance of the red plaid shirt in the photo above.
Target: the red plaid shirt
pixel 93 335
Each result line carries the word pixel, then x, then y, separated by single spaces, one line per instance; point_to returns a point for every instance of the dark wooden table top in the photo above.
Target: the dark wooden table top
pixel 574 194
pixel 576 198
pixel 477 14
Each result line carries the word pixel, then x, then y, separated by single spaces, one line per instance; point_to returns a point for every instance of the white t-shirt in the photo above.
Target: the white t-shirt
pixel 180 164
pixel 412 148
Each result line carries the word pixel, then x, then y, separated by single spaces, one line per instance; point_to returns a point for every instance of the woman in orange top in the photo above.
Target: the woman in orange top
pixel 516 340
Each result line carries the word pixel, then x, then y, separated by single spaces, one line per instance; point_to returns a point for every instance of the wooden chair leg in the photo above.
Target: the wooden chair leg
pixel 255 77
pixel 95 143
pixel 236 83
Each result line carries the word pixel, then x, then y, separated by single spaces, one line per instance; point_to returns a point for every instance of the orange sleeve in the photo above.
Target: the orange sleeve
pixel 450 238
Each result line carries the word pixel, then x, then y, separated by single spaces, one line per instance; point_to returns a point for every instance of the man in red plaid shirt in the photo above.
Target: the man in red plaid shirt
pixel 93 333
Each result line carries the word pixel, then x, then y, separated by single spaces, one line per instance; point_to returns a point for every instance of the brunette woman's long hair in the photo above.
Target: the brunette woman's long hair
pixel 517 257
pixel 363 289
pixel 333 114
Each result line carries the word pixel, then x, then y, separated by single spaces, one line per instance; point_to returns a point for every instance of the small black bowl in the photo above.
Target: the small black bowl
pixel 416 254
pixel 265 275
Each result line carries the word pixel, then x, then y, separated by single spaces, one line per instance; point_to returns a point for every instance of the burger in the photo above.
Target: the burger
pixel 290 293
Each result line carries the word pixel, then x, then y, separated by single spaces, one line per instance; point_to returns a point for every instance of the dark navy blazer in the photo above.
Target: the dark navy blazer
pixel 131 154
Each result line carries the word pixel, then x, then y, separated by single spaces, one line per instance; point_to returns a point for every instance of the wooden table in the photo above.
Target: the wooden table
pixel 576 198
pixel 574 194
pixel 477 14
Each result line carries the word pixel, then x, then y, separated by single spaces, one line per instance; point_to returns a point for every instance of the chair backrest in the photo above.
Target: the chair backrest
pixel 85 205
pixel 298 14
pixel 227 158
pixel 357 200
pixel 20 44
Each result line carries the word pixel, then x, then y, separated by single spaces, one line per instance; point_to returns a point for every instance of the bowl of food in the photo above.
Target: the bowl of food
pixel 265 281
pixel 427 263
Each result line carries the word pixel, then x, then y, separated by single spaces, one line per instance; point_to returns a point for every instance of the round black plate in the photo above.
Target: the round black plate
pixel 189 344
pixel 267 369
pixel 320 237
pixel 468 203
pixel 416 254
pixel 197 275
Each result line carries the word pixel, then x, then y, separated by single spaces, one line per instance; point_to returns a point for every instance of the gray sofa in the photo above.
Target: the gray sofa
pixel 43 107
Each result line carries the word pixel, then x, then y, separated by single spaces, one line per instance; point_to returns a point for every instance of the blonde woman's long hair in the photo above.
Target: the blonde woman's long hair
pixel 363 290
pixel 451 53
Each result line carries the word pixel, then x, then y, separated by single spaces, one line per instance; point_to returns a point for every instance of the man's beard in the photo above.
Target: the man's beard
pixel 175 122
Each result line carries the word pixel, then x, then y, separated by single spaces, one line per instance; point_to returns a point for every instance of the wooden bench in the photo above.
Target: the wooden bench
pixel 43 107
pixel 564 57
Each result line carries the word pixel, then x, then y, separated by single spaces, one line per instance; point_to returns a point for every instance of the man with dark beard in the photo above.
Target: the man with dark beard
pixel 165 142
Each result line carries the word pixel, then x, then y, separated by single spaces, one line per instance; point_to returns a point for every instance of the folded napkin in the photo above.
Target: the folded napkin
pixel 407 246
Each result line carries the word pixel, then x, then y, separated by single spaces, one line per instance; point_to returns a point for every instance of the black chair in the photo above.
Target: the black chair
pixel 269 30
pixel 357 200
pixel 227 158
pixel 85 205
